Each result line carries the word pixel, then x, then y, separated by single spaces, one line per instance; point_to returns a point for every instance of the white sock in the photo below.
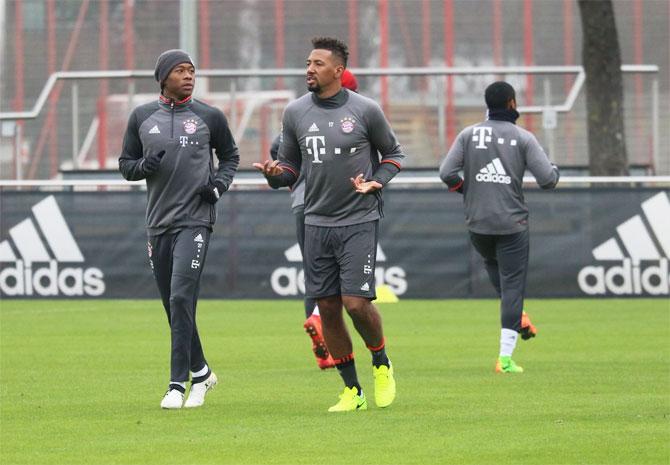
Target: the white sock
pixel 508 339
pixel 316 311
pixel 203 372
pixel 183 385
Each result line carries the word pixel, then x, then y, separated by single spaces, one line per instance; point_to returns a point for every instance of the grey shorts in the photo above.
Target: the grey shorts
pixel 341 260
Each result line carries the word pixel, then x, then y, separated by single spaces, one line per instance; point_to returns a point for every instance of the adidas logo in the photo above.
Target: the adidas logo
pixel 154 130
pixel 290 280
pixel 493 172
pixel 642 238
pixel 47 240
pixel 198 238
pixel 313 128
pixel 365 287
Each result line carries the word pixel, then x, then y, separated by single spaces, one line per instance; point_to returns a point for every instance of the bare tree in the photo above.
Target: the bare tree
pixel 601 58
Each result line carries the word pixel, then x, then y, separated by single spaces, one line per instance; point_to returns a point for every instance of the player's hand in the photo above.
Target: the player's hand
pixel 211 193
pixel 364 187
pixel 152 162
pixel 269 168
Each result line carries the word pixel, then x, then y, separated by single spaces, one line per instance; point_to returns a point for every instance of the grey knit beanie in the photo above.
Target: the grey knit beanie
pixel 167 61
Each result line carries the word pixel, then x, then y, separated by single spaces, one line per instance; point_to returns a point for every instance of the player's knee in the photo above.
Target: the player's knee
pixel 179 302
pixel 329 306
pixel 356 306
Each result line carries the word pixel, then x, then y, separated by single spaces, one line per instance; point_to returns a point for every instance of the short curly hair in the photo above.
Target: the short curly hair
pixel 498 95
pixel 336 46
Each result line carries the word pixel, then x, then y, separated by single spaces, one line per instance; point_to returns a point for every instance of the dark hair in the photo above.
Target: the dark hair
pixel 336 46
pixel 498 94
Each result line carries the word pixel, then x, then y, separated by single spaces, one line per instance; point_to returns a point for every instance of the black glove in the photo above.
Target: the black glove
pixel 212 192
pixel 152 162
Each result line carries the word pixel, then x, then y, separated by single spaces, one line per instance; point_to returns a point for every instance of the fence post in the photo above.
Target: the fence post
pixel 233 105
pixel 17 148
pixel 549 119
pixel 75 125
pixel 654 124
pixel 441 114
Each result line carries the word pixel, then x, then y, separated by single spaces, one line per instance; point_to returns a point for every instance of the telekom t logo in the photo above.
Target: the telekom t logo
pixel 318 147
pixel 481 134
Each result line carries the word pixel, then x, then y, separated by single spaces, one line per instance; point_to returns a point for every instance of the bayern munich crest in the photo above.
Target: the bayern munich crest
pixel 347 124
pixel 190 126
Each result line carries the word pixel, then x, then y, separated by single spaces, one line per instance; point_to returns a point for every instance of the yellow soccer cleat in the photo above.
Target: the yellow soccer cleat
pixel 505 364
pixel 350 400
pixel 384 385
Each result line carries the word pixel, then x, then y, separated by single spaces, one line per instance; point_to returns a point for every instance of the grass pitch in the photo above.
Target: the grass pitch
pixel 81 382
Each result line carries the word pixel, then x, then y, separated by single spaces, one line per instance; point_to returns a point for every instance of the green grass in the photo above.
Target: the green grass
pixel 81 382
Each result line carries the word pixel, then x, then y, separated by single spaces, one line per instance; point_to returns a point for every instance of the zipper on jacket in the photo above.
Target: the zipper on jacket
pixel 172 119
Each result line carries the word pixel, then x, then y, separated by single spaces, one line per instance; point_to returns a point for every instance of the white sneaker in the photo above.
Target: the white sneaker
pixel 173 399
pixel 198 390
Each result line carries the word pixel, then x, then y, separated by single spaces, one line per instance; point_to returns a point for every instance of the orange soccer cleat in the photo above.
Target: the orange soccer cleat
pixel 313 328
pixel 325 363
pixel 527 329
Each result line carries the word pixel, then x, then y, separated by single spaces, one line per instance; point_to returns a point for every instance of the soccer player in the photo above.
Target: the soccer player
pixel 332 136
pixel 312 323
pixel 493 156
pixel 171 142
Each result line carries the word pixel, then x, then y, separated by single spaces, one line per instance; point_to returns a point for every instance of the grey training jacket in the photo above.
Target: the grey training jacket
pixel 189 132
pixel 330 141
pixel 297 189
pixel 494 156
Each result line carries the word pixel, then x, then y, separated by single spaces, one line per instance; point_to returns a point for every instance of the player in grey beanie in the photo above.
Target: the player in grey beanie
pixel 171 143
pixel 168 60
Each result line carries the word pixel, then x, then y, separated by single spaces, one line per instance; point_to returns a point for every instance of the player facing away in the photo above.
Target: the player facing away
pixel 334 137
pixel 493 156
pixel 312 323
pixel 171 143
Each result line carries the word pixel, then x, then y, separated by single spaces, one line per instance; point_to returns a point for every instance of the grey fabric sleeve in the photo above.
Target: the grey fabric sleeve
pixel 546 174
pixel 453 163
pixel 226 150
pixel 274 147
pixel 131 161
pixel 384 140
pixel 385 173
pixel 289 155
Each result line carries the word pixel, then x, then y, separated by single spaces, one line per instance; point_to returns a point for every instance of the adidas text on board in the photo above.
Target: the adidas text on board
pixel 23 280
pixel 626 279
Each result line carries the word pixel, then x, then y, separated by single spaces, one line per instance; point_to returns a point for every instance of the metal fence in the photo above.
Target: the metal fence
pixel 421 118
pixel 38 38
